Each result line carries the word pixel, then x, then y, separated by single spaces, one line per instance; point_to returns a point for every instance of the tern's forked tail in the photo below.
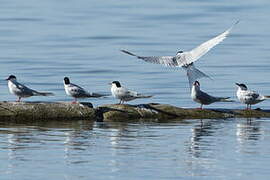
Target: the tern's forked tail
pixel 43 94
pixel 225 99
pixel 144 96
pixel 96 95
pixel 194 74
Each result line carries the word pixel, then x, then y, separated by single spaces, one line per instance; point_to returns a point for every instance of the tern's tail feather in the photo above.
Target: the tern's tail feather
pixel 194 74
pixel 129 53
pixel 143 96
pixel 43 94
pixel 96 95
pixel 224 99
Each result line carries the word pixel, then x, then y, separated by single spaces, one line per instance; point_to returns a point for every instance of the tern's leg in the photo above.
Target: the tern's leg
pixel 19 99
pixel 248 106
pixel 75 101
pixel 120 101
pixel 201 106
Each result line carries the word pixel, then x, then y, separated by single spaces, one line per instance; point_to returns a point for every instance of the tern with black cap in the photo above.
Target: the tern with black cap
pixel 21 90
pixel 78 92
pixel 249 97
pixel 203 98
pixel 124 94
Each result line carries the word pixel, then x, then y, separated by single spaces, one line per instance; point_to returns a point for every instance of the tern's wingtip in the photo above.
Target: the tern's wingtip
pixel 124 51
pixel 237 22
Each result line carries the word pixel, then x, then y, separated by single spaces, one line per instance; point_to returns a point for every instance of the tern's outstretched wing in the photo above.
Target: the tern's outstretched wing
pixel 165 60
pixel 193 55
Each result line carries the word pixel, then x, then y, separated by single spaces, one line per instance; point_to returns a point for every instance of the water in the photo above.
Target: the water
pixel 216 149
pixel 43 41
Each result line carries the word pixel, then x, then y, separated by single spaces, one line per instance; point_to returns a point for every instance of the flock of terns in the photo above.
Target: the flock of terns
pixel 181 59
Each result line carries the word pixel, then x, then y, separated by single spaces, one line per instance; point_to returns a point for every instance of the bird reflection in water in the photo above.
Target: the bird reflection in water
pixel 197 140
pixel 248 130
pixel 77 138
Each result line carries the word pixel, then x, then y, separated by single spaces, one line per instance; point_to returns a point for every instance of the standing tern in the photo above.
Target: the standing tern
pixel 248 97
pixel 186 59
pixel 21 90
pixel 76 91
pixel 203 98
pixel 124 94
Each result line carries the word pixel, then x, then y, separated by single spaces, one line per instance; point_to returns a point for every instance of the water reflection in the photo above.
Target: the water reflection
pixel 197 149
pixel 119 132
pixel 248 134
pixel 200 147
pixel 22 140
pixel 77 140
pixel 202 139
pixel 248 130
pixel 198 142
pixel 16 142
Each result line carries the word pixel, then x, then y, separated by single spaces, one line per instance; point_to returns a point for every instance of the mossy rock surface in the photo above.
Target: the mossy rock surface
pixel 125 112
pixel 33 111
pixel 29 111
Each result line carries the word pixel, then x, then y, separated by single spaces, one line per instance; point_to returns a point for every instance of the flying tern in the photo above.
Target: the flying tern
pixel 186 59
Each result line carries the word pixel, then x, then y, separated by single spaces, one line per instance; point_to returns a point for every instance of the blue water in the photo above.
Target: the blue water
pixel 216 149
pixel 43 41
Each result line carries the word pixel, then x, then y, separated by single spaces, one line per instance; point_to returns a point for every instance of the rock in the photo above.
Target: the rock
pixel 30 111
pixel 45 111
pixel 164 112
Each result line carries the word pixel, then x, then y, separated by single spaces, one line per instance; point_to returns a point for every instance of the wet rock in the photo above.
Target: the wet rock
pixel 164 112
pixel 29 111
pixel 123 112
pixel 45 111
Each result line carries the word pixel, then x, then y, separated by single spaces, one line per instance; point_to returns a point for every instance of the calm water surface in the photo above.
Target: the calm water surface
pixel 216 149
pixel 43 41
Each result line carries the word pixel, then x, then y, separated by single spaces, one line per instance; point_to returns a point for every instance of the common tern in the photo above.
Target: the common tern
pixel 76 91
pixel 186 59
pixel 248 97
pixel 123 93
pixel 21 90
pixel 203 98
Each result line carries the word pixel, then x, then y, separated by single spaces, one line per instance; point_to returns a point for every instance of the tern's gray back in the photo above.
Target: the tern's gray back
pixel 77 91
pixel 23 91
pixel 206 98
